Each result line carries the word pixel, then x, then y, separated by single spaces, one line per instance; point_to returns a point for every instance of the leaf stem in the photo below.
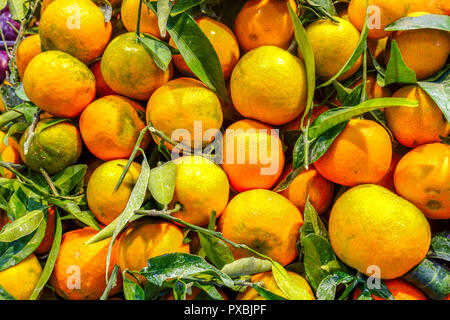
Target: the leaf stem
pixel 49 181
pixel 139 19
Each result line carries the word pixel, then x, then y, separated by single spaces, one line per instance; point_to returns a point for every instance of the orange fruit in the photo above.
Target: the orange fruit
pixel 105 202
pixel 129 70
pixel 381 14
pixel 101 88
pixel 53 147
pixel 110 127
pixel 430 6
pixel 79 272
pixel 271 285
pixel 149 20
pixel 265 221
pixel 9 153
pixel 59 84
pixel 309 184
pixel 400 289
pixel 269 85
pixel 21 279
pixel 425 51
pixel 333 44
pixel 147 239
pixel 47 241
pixel 423 177
pixel 413 127
pixel 377 232
pixel 253 155
pixel 175 108
pixel 27 50
pixel 388 179
pixel 75 26
pixel 201 186
pixel 265 22
pixel 223 41
pixel 362 153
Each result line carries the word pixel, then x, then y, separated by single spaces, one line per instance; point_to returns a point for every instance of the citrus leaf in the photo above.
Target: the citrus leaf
pixel 286 284
pixel 66 180
pixel 19 127
pixel 397 71
pixel 308 57
pixel 327 287
pixel 283 185
pixel 51 259
pixel 163 8
pixel 131 290
pixel 266 294
pixel 162 182
pixel 22 226
pixel 71 207
pixel 181 6
pixel 197 51
pixel 209 290
pixel 157 49
pixel 17 8
pixel 440 93
pixel 324 7
pixel 426 21
pixel 179 290
pixel 5 295
pixel 111 283
pixel 246 266
pixel 312 223
pixel 440 247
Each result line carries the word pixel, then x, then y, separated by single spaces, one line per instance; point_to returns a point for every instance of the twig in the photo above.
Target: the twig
pixel 49 182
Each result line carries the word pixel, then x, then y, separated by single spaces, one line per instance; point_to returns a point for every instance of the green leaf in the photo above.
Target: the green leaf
pixel 181 6
pixel 9 95
pixel 51 259
pixel 69 178
pixel 71 207
pixel 162 182
pixel 108 231
pixel 427 21
pixel 163 8
pixel 197 51
pixel 131 290
pixel 209 290
pixel 440 247
pixel 246 266
pixel 181 265
pixel 22 226
pixel 19 127
pixel 3 4
pixel 308 57
pixel 266 294
pixel 355 55
pixel 440 93
pixel 179 290
pixel 323 7
pixel 51 122
pixel 312 223
pixel 5 295
pixel 20 92
pixel 157 49
pixel 287 285
pixel 397 71
pixel 327 287
pixel 135 201
pixel 283 185
pixel 111 283
pixel 319 258
pixel 17 8
pixel 12 253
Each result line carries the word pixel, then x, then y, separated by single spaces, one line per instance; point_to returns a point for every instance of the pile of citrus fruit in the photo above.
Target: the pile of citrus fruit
pixel 260 149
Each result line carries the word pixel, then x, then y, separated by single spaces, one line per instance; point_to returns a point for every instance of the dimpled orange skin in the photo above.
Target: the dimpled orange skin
pixel 430 6
pixel 400 289
pixel 372 226
pixel 110 127
pixel 181 102
pixel 85 39
pixel 147 239
pixel 425 51
pixel 47 241
pixel 333 44
pixel 269 85
pixel 101 88
pixel 415 126
pixel 253 155
pixel 105 202
pixel 388 11
pixel 59 84
pixel 27 50
pixel 265 221
pixel 201 187
pixel 423 177
pixel 309 184
pixel 265 22
pixel 149 20
pixel 271 285
pixel 129 70
pixel 223 41
pixel 362 153
pixel 85 262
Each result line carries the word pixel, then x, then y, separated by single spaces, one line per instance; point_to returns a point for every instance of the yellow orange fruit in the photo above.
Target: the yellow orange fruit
pixel 269 85
pixel 377 232
pixel 148 20
pixel 101 88
pixel 430 6
pixel 423 177
pixel 265 221
pixel 75 26
pixel 26 51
